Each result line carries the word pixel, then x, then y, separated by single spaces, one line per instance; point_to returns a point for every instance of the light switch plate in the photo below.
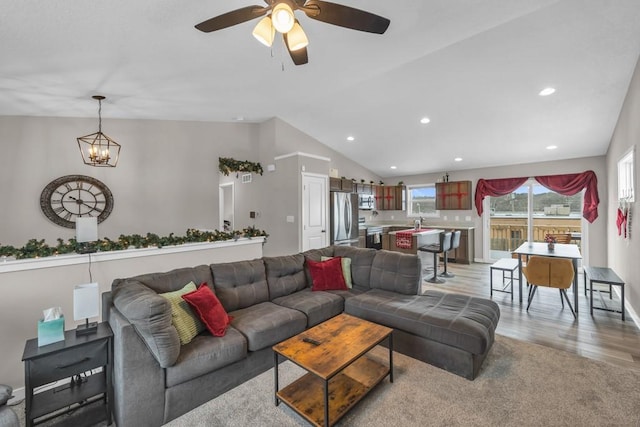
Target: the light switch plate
pixel 290 218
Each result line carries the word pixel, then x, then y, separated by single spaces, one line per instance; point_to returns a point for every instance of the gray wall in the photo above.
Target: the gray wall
pixel 166 180
pixel 624 254
pixel 597 251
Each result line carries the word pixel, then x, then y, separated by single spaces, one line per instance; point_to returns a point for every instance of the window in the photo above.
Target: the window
pixel 625 177
pixel 422 200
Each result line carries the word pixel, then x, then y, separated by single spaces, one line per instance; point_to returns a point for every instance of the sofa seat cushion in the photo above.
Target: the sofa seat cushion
pixel 206 353
pixel 317 306
pixel 461 321
pixel 266 324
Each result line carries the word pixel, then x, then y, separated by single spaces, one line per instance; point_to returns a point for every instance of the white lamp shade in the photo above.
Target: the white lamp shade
pixel 296 38
pixel 86 229
pixel 282 18
pixel 264 31
pixel 86 301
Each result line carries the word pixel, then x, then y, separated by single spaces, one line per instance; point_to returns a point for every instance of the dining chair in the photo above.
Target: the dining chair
pixel 552 273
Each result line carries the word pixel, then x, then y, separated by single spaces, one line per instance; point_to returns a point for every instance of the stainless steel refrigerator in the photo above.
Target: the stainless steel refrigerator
pixel 344 219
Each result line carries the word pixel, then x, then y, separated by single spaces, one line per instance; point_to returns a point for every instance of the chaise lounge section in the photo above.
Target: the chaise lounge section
pixel 156 379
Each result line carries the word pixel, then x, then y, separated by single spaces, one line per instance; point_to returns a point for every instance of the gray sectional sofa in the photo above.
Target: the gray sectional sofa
pixel 156 379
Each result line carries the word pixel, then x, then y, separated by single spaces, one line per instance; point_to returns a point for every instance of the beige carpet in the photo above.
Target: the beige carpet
pixel 520 384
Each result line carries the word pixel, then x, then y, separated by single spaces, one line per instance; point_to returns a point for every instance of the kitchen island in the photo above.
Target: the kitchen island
pixel 419 237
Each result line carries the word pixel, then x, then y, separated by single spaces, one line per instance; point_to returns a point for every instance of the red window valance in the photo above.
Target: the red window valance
pixel 568 185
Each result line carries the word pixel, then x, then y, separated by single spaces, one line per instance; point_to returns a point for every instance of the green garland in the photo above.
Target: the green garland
pixel 228 165
pixel 38 248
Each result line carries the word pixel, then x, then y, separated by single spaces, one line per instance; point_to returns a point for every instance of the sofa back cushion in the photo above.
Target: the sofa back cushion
pixel 361 262
pixel 240 284
pixel 285 275
pixel 150 314
pixel 396 272
pixel 175 279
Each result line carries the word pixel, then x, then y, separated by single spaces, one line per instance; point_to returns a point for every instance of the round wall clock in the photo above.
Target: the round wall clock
pixel 66 198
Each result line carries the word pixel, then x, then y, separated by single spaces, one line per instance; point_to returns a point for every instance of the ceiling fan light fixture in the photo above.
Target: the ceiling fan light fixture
pixel 282 17
pixel 264 31
pixel 297 39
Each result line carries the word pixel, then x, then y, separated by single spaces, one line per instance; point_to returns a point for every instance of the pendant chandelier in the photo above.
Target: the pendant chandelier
pixel 98 149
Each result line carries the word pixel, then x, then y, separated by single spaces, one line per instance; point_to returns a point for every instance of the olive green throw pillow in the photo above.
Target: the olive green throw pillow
pixel 346 269
pixel 183 318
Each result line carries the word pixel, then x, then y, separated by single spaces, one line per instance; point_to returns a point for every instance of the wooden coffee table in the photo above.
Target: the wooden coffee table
pixel 338 369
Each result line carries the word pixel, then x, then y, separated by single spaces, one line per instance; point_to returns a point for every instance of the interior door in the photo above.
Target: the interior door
pixel 314 211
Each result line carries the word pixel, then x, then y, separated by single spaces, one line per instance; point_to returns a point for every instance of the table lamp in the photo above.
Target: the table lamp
pixel 86 231
pixel 86 304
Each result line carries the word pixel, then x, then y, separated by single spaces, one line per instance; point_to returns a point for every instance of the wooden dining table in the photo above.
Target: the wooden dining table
pixel 561 250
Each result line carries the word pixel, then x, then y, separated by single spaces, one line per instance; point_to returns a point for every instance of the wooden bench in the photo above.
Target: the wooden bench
pixel 605 276
pixel 505 265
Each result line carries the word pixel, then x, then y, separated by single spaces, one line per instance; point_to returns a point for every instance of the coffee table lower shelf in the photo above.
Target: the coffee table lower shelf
pixel 306 394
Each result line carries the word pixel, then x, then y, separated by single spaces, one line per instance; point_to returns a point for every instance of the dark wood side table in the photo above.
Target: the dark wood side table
pixel 65 359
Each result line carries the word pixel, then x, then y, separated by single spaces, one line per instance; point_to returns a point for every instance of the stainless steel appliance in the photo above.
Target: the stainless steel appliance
pixel 374 237
pixel 366 202
pixel 344 218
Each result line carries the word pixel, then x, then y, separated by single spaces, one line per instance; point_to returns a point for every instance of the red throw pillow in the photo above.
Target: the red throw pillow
pixel 327 275
pixel 209 309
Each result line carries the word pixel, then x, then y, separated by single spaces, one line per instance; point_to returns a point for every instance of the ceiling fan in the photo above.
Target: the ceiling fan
pixel 283 20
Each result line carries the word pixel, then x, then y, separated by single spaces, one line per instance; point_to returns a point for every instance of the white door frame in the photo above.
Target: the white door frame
pixel 222 188
pixel 303 207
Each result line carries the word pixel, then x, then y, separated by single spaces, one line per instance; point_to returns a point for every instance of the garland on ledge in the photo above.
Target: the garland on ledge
pixel 38 248
pixel 228 165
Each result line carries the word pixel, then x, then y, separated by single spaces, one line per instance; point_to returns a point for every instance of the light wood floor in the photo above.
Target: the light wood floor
pixel 603 336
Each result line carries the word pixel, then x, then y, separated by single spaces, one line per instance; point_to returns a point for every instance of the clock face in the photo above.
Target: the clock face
pixel 72 196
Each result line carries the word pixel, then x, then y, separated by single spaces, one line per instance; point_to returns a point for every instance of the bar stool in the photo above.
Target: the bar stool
pixel 443 245
pixel 455 243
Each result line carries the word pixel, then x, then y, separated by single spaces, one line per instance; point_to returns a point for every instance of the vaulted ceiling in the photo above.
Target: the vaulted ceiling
pixel 473 67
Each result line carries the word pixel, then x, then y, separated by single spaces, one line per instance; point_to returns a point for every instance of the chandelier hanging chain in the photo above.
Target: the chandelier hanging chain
pixel 100 115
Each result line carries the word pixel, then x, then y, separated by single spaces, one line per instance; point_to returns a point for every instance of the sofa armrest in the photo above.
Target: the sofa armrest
pixel 138 379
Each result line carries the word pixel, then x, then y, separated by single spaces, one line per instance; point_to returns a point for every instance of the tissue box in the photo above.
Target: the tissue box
pixel 50 331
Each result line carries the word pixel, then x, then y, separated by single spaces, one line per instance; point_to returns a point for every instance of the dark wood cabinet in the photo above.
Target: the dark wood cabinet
pixel 390 197
pixel 465 253
pixel 454 195
pixel 363 188
pixel 341 184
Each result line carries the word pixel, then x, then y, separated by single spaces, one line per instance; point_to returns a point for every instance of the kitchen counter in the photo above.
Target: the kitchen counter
pixel 422 232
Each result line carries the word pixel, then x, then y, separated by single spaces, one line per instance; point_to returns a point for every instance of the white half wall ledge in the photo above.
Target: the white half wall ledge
pixel 31 285
pixel 7 266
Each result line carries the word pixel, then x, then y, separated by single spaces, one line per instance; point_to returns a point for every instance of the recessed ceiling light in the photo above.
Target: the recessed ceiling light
pixel 546 91
pixel 394 167
pixel 551 147
pixel 457 159
pixel 425 120
pixel 350 138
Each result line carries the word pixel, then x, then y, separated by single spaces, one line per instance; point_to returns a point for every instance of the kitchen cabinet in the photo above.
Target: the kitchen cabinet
pixel 341 184
pixel 465 253
pixel 390 197
pixel 454 195
pixel 363 188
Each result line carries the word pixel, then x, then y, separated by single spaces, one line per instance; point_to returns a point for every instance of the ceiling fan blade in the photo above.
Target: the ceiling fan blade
pixel 234 17
pixel 345 16
pixel 299 56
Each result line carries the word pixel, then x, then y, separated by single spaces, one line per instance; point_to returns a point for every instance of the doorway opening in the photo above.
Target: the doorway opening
pixel 530 213
pixel 226 205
